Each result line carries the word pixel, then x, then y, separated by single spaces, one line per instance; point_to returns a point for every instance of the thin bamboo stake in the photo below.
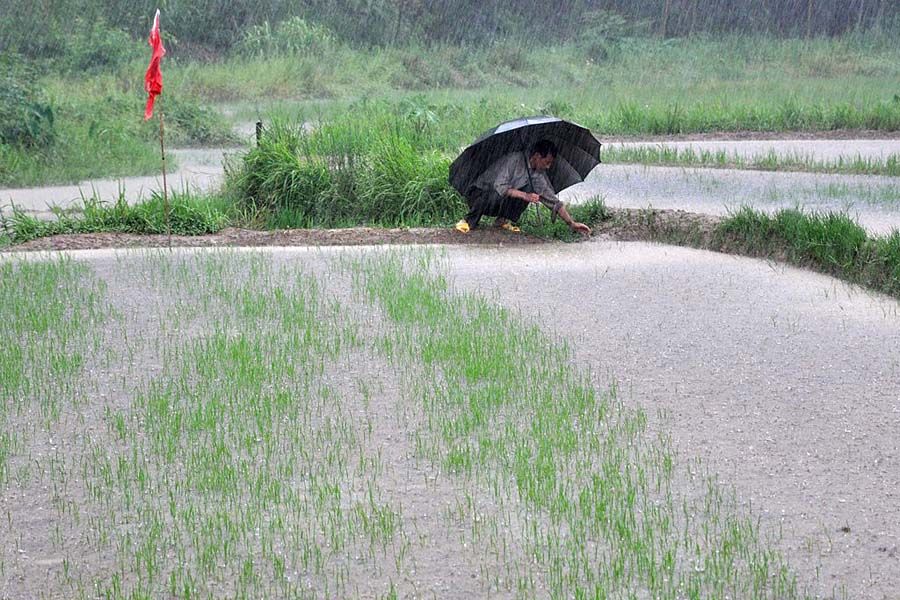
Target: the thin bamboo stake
pixel 162 149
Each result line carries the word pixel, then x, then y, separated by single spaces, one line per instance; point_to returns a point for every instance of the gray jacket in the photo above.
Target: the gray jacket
pixel 511 172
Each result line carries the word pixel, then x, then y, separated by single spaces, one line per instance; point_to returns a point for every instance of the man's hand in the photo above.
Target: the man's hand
pixel 572 223
pixel 580 228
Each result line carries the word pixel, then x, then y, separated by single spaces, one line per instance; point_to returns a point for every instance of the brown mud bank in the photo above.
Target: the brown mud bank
pixel 622 224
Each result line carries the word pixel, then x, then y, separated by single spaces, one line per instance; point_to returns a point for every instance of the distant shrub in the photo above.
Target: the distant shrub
pixel 26 119
pixel 94 47
pixel 190 123
pixel 511 56
pixel 600 32
pixel 292 37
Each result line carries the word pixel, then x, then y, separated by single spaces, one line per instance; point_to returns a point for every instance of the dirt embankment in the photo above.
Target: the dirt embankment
pixel 622 224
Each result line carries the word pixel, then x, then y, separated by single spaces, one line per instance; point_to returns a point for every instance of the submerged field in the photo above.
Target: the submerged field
pixel 225 426
pixel 334 424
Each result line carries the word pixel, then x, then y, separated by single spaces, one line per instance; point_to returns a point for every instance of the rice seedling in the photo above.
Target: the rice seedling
pixel 319 424
pixel 236 452
pixel 580 501
pixel 873 194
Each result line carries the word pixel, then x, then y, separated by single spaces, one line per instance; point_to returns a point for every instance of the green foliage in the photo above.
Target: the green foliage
pixel 829 242
pixel 541 224
pixel 369 169
pixel 292 37
pixel 204 27
pixel 188 215
pixel 26 118
pixel 93 47
pixel 191 123
pixel 601 32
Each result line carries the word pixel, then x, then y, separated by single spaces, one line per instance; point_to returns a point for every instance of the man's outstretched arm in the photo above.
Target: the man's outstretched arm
pixel 557 206
pixel 572 223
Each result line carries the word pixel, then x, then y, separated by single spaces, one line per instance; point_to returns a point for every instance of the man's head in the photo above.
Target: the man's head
pixel 542 155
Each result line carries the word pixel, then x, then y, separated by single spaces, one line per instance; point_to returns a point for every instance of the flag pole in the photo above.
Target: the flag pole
pixel 162 150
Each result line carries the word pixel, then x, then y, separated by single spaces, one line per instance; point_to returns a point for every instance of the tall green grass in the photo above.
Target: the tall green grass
pixel 380 165
pixel 642 86
pixel 369 170
pixel 829 242
pixel 188 215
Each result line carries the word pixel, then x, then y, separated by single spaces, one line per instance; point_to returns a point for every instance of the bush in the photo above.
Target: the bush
pixel 94 47
pixel 26 119
pixel 190 123
pixel 293 37
pixel 600 33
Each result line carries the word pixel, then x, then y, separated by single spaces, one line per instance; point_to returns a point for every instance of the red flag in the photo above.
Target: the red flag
pixel 153 77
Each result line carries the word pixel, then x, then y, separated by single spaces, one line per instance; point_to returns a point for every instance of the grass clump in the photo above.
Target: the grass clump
pixel 347 173
pixel 829 242
pixel 540 223
pixel 188 215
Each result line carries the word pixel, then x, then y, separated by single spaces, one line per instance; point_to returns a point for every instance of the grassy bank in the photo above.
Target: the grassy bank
pixel 98 131
pixel 771 161
pixel 830 243
pixel 637 86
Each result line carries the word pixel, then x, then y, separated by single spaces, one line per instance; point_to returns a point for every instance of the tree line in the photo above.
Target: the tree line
pixel 42 28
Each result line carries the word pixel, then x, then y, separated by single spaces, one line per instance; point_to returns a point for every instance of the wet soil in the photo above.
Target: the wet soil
pixel 623 224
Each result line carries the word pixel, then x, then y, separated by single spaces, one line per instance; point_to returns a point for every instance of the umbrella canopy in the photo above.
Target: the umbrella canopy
pixel 579 150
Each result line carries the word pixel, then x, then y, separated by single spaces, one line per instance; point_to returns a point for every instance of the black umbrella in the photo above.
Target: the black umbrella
pixel 579 150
